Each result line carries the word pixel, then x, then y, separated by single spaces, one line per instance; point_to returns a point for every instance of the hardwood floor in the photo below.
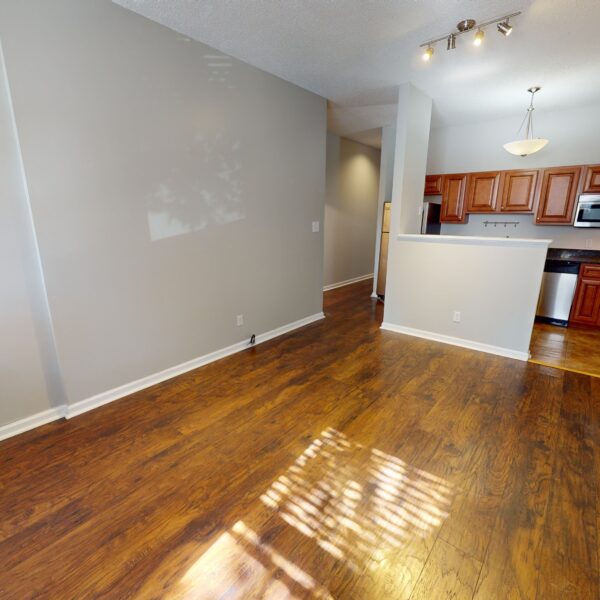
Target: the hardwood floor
pixel 340 461
pixel 571 348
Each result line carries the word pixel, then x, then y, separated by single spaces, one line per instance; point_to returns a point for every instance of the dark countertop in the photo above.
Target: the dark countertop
pixel 580 256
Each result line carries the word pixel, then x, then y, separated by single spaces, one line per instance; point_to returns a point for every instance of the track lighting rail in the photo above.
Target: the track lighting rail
pixel 465 27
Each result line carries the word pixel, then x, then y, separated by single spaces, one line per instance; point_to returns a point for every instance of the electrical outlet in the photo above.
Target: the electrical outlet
pixel 240 320
pixel 588 243
pixel 456 316
pixel 315 226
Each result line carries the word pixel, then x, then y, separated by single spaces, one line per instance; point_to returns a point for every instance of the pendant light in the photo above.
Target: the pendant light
pixel 529 144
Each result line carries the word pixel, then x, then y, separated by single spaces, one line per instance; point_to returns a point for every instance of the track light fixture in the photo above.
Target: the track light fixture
pixel 502 23
pixel 505 28
pixel 428 54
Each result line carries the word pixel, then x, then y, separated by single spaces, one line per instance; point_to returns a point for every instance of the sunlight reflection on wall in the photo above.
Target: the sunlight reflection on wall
pixel 213 196
pixel 357 504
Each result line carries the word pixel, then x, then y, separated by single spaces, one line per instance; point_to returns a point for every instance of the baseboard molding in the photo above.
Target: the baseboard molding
pixel 77 408
pixel 454 341
pixel 340 284
pixel 37 420
pixel 135 386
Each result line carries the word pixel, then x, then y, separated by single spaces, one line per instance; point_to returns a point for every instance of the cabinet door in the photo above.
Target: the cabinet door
pixel 557 196
pixel 517 192
pixel 482 192
pixel 591 180
pixel 433 185
pixel 453 198
pixel 586 306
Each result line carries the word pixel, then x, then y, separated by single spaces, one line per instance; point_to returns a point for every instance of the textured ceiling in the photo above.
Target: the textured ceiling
pixel 356 52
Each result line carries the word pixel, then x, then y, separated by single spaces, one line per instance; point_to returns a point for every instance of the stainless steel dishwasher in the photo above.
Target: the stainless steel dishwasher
pixel 557 291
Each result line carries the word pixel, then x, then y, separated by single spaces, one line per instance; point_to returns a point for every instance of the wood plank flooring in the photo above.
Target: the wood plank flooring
pixel 571 348
pixel 340 461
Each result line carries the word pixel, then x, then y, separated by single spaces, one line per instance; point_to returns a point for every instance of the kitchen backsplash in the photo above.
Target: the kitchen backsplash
pixel 561 236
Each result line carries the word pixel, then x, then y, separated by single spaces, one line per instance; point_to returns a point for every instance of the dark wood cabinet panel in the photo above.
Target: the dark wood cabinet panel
pixel 586 305
pixel 433 185
pixel 453 198
pixel 517 190
pixel 482 191
pixel 590 271
pixel 591 179
pixel 557 196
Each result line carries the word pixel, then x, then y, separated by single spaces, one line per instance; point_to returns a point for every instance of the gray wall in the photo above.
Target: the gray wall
pixel 171 187
pixel 350 209
pixel 29 378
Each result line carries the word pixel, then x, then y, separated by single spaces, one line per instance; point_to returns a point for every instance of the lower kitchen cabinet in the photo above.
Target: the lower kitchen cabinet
pixel 586 305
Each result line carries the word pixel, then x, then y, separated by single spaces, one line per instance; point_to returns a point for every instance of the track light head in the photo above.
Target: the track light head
pixel 505 28
pixel 451 42
pixel 428 54
pixel 478 40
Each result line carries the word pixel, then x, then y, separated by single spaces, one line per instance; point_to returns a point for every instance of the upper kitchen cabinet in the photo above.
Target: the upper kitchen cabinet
pixel 453 198
pixel 591 179
pixel 433 185
pixel 557 196
pixel 482 192
pixel 517 191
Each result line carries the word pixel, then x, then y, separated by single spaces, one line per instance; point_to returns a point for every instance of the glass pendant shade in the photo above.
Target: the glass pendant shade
pixel 529 144
pixel 525 147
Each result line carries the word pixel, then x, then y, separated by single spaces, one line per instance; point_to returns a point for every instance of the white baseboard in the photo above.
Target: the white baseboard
pixel 339 284
pixel 454 341
pixel 37 420
pixel 82 406
pixel 135 386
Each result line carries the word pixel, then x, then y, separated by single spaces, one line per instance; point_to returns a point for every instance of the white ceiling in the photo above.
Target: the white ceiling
pixel 356 52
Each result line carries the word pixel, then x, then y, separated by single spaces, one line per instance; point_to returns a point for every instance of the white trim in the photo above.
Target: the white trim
pixel 454 341
pixel 129 388
pixel 333 286
pixel 22 425
pixel 469 240
pixel 82 406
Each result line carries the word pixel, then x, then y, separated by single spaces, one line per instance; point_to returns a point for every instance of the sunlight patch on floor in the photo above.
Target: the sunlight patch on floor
pixel 320 495
pixel 357 504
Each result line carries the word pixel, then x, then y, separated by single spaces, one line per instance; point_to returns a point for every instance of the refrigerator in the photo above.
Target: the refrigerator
pixel 430 222
pixel 383 249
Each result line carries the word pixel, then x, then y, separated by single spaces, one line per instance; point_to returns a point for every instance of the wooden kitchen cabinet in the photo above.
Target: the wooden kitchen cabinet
pixel 482 191
pixel 557 196
pixel 433 185
pixel 517 190
pixel 586 305
pixel 453 198
pixel 591 179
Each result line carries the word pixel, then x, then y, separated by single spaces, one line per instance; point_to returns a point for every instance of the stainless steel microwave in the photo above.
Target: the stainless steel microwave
pixel 588 211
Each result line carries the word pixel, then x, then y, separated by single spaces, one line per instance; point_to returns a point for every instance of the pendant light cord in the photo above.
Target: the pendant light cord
pixel 529 119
